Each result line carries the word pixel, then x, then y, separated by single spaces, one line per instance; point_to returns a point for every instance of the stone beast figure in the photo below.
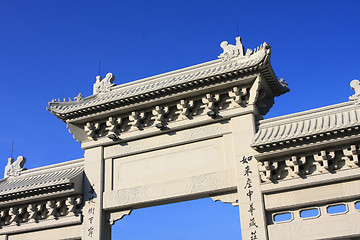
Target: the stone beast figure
pixel 103 85
pixel 231 51
pixel 14 168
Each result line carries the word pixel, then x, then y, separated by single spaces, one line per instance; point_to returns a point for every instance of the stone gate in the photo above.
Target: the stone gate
pixel 194 133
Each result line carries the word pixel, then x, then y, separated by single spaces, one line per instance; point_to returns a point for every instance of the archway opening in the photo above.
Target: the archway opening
pixel 196 219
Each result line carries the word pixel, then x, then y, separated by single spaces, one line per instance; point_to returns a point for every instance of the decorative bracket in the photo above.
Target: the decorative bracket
pixel 294 164
pixel 115 216
pixel 160 112
pixel 265 169
pixel 227 198
pixel 112 125
pixel 136 118
pixel 322 159
pixel 92 129
pixel 210 101
pixel 238 95
pixel 351 156
pixel 185 107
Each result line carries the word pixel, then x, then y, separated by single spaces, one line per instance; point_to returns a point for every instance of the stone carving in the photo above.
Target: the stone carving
pixel 355 86
pixel 266 170
pixel 324 161
pixel 351 156
pixel 92 129
pixel 115 216
pixel 14 168
pixel 231 51
pixel 79 97
pixel 137 118
pixel 185 107
pixel 294 163
pixel 210 101
pixel 160 113
pixel 103 85
pixel 72 206
pixel 35 212
pixel 112 125
pixel 227 198
pixel 238 95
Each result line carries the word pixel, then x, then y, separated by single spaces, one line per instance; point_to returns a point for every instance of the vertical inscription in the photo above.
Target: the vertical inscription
pixel 248 187
pixel 91 211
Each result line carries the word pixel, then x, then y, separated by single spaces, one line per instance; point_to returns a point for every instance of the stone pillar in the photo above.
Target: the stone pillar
pixel 251 206
pixel 95 224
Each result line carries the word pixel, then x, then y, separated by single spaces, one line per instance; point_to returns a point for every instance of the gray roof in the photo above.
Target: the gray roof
pixel 316 123
pixel 53 180
pixel 166 83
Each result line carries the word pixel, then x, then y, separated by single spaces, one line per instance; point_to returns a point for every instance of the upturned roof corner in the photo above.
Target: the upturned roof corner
pixel 334 123
pixel 233 66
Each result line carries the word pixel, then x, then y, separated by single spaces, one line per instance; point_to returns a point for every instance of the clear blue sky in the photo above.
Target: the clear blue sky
pixel 51 49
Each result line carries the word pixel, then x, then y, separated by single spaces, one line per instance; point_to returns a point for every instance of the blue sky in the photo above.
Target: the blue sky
pixel 51 49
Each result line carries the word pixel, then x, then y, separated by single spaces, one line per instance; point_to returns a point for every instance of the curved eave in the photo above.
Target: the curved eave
pixel 170 83
pixel 336 121
pixel 41 185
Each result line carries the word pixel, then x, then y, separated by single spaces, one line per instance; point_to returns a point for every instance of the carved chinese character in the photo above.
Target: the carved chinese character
pixel 247 171
pixel 252 223
pixel 253 235
pixel 91 211
pixel 249 194
pixel 248 183
pixel 251 209
pixel 244 160
pixel 90 231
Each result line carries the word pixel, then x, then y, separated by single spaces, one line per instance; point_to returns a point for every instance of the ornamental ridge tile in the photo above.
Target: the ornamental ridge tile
pixel 309 123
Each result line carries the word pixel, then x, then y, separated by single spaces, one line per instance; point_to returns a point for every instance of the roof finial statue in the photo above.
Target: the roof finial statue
pixel 14 168
pixel 355 86
pixel 231 51
pixel 103 85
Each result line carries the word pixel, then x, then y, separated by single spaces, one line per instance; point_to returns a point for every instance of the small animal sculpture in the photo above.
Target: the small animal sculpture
pixel 231 51
pixel 103 85
pixel 14 168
